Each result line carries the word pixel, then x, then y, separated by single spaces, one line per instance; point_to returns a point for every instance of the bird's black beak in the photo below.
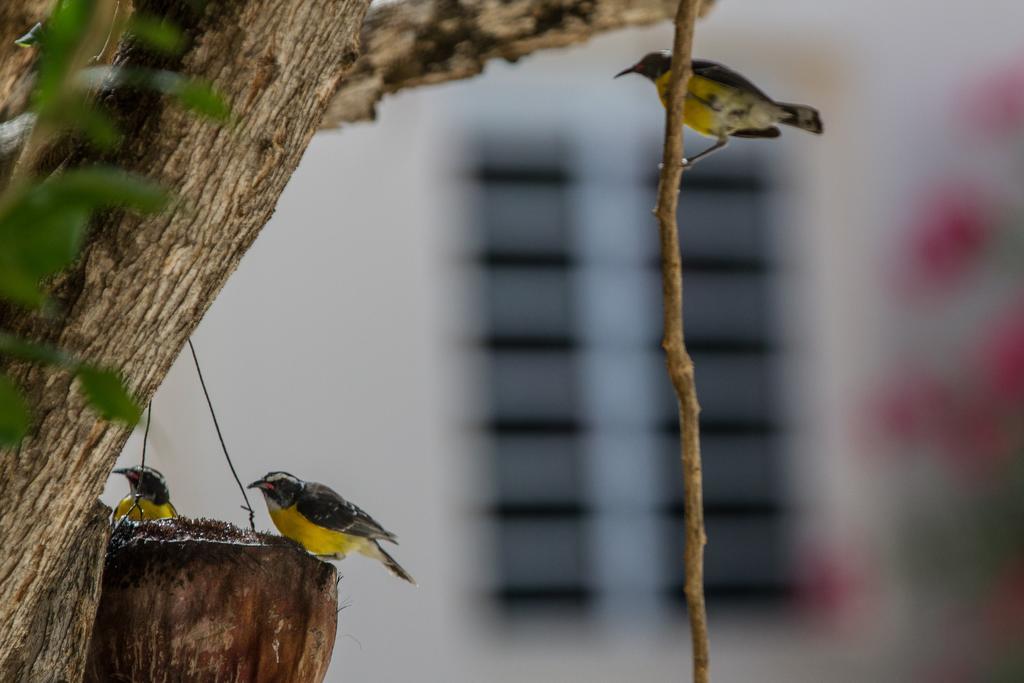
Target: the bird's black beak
pixel 258 484
pixel 630 70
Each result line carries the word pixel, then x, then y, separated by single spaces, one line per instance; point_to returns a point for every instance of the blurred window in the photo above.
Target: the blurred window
pixel 587 482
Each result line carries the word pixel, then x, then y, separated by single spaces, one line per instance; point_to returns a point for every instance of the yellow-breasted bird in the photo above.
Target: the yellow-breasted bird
pixel 324 523
pixel 154 496
pixel 721 103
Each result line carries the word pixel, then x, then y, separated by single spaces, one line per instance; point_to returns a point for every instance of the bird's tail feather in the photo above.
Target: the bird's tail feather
pixel 801 116
pixel 392 565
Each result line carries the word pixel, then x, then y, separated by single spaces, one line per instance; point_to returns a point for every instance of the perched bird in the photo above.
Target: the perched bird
pixel 151 489
pixel 324 523
pixel 721 103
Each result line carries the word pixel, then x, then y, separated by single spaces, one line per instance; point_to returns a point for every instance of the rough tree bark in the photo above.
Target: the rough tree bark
pixel 66 609
pixel 423 42
pixel 142 285
pixel 418 42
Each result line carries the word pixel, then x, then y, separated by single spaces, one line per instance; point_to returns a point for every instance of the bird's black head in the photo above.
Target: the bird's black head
pixel 147 483
pixel 653 65
pixel 280 489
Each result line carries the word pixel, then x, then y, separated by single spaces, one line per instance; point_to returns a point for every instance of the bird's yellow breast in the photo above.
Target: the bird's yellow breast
pixel 146 509
pixel 712 121
pixel 316 539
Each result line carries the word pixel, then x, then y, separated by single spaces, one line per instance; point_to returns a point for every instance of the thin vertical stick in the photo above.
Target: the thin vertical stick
pixel 680 365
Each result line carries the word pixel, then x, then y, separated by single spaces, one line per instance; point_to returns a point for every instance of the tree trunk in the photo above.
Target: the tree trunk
pixel 142 285
pixel 66 608
pixel 203 600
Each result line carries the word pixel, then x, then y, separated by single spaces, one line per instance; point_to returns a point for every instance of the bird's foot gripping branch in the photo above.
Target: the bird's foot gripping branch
pixel 198 599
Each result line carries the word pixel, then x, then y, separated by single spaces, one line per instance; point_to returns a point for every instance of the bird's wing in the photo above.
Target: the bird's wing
pixel 713 71
pixel 770 132
pixel 322 506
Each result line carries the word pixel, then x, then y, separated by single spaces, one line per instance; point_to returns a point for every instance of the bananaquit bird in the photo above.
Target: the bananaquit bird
pixel 324 523
pixel 151 488
pixel 721 103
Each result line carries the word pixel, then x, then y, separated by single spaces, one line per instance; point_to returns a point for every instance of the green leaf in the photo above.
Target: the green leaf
pixel 35 243
pixel 157 34
pixel 194 94
pixel 78 114
pixel 19 286
pixel 102 187
pixel 108 395
pixel 43 228
pixel 50 241
pixel 16 347
pixel 14 415
pixel 32 37
pixel 201 98
pixel 65 30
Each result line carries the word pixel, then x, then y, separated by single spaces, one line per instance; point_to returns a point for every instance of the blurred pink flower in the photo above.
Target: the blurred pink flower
pixel 1002 357
pixel 996 103
pixel 831 582
pixel 959 424
pixel 911 405
pixel 949 231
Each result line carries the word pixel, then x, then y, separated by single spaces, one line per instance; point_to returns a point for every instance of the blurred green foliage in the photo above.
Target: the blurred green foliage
pixel 192 93
pixel 107 394
pixel 14 415
pixel 44 221
pixel 160 35
pixel 43 224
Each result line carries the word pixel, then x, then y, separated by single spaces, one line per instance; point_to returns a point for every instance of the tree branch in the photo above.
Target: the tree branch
pixel 680 365
pixel 423 42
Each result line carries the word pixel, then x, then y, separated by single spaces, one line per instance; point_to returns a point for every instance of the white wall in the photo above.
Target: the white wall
pixel 331 353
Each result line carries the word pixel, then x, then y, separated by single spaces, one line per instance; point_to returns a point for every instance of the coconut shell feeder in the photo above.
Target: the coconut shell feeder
pixel 203 600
